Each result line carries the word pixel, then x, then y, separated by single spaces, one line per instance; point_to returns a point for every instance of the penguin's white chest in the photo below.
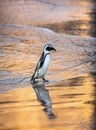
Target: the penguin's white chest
pixel 44 68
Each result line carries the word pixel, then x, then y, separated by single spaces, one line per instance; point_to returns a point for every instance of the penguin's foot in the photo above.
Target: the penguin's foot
pixel 33 80
pixel 51 116
pixel 45 80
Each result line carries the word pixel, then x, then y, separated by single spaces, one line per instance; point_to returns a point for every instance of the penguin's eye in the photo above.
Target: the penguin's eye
pixel 48 48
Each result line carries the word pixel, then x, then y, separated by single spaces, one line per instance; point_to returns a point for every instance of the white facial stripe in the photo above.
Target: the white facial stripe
pixel 47 45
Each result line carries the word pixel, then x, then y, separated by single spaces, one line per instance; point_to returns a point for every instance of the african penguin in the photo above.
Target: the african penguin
pixel 43 63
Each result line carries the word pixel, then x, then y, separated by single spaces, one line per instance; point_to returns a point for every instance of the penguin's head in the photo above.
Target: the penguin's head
pixel 49 47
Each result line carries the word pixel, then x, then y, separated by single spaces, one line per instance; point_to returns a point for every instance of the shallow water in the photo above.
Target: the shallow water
pixel 74 105
pixel 72 72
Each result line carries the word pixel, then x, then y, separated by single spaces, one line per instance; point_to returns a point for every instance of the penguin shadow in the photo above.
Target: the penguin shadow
pixel 43 97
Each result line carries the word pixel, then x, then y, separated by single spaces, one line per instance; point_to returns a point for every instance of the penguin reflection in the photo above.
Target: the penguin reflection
pixel 43 63
pixel 44 98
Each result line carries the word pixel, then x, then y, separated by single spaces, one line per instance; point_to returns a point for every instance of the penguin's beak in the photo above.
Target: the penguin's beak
pixel 53 49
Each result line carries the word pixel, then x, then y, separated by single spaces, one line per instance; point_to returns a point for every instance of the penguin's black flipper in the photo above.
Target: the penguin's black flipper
pixel 41 61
